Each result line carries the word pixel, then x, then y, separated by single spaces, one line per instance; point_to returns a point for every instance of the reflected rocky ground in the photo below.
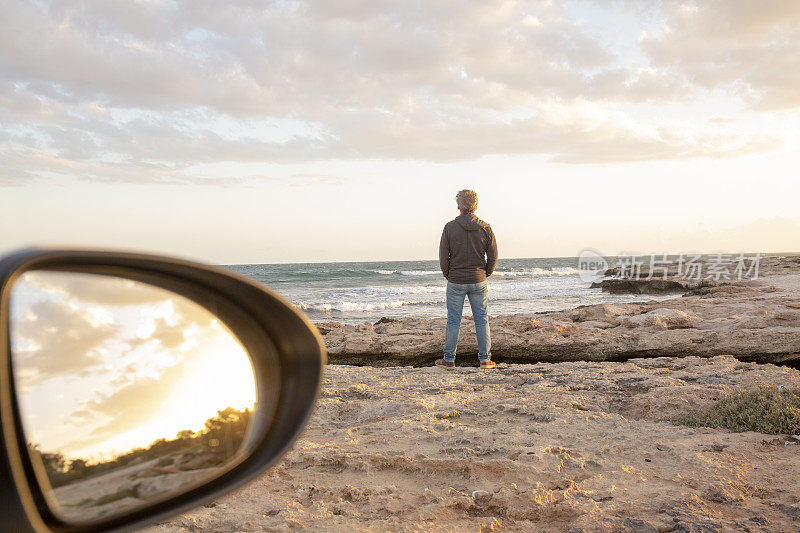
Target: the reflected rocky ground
pixel 131 487
pixel 85 491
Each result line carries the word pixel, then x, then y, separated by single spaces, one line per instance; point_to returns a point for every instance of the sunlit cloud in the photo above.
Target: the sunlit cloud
pixel 748 48
pixel 155 92
pixel 101 290
pixel 55 339
pixel 131 406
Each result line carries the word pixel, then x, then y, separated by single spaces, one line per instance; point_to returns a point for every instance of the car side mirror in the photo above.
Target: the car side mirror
pixel 133 386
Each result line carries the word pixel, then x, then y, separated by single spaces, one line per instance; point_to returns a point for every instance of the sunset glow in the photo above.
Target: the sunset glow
pixel 126 363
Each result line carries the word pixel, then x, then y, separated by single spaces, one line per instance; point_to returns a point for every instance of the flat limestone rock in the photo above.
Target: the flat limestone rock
pixel 753 321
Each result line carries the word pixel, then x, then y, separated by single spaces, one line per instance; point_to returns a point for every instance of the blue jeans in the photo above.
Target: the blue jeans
pixel 478 294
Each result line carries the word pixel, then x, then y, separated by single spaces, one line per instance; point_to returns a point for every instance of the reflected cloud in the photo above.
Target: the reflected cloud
pixel 53 339
pixel 168 337
pixel 100 290
pixel 128 407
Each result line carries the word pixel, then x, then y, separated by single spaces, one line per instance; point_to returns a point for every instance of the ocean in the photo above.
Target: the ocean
pixel 352 293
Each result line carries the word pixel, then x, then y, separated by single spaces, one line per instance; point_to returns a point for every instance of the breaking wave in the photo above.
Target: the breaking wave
pixel 354 307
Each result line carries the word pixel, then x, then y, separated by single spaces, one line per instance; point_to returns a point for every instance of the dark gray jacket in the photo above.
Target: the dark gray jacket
pixel 468 250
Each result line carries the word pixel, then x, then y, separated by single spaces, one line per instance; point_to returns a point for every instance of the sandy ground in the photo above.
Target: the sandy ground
pixel 552 447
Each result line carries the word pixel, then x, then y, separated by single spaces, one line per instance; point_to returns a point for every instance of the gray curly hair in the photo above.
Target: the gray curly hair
pixel 467 201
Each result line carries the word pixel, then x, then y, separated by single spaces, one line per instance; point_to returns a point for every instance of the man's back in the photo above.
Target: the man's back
pixel 467 250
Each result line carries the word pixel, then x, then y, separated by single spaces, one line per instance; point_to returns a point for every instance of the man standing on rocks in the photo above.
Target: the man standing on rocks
pixel 467 256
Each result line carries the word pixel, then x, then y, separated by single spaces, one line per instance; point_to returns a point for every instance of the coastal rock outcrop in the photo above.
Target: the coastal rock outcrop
pixel 752 321
pixel 707 273
pixel 647 286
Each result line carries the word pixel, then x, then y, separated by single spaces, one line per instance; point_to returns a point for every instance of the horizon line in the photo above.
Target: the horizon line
pixel 763 254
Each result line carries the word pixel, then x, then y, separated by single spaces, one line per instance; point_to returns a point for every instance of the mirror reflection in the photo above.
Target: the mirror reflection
pixel 128 393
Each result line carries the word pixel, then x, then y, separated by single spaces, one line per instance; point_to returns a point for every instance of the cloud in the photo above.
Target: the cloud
pixel 168 336
pixel 53 339
pixel 127 408
pixel 95 289
pixel 152 91
pixel 65 325
pixel 749 48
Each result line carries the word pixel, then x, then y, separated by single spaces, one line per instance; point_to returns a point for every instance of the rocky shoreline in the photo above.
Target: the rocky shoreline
pixel 756 321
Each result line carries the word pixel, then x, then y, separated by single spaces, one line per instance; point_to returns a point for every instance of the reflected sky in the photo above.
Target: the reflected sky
pixel 104 365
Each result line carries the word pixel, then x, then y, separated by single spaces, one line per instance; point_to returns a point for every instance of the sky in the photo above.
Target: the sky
pixel 105 365
pixel 304 131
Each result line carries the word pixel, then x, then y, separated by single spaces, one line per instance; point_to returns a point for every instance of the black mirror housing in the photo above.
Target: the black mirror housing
pixel 286 350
